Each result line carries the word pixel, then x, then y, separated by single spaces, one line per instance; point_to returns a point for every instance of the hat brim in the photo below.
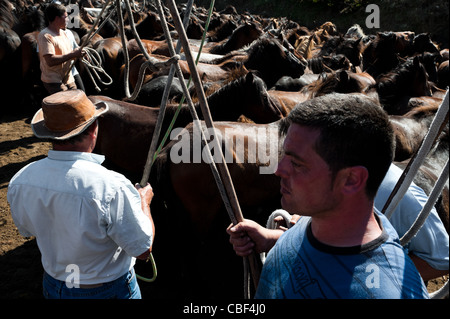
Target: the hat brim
pixel 41 131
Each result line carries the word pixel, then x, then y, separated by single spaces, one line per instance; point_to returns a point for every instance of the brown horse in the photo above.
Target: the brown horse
pixel 349 47
pixel 382 54
pixel 411 128
pixel 111 55
pixel 158 47
pixel 395 88
pixel 245 34
pixel 207 72
pixel 191 215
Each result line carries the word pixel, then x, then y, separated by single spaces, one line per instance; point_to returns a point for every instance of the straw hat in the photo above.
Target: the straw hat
pixel 65 114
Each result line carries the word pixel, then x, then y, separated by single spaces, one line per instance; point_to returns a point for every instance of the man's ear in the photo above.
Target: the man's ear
pixel 353 179
pixel 93 129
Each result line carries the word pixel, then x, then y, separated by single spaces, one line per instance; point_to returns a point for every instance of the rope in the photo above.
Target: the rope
pixel 439 121
pixel 93 63
pixel 421 218
pixel 416 161
pixel 90 35
pixel 155 271
pixel 152 153
pixel 152 63
pixel 175 66
pixel 220 171
pixel 272 224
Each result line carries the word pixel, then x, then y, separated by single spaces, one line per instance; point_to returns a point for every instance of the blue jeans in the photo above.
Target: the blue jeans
pixel 124 287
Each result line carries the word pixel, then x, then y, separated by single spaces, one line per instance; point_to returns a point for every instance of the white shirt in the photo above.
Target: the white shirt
pixel 81 214
pixel 431 242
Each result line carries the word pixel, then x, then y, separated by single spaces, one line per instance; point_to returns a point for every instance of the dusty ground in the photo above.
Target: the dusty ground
pixel 20 266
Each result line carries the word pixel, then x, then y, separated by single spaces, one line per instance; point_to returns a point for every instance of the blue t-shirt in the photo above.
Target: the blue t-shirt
pixel 301 267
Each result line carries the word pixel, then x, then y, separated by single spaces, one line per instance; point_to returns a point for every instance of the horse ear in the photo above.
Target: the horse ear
pixel 343 76
pixel 249 76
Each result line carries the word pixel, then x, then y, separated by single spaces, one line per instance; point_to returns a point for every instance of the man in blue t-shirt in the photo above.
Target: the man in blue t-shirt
pixel 337 150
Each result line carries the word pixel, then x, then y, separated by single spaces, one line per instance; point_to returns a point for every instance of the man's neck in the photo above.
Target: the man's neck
pixel 347 228
pixel 54 28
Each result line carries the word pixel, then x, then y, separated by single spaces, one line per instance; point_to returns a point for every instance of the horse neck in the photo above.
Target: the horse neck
pixel 226 103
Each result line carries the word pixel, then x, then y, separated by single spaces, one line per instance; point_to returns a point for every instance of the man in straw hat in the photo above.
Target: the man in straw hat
pixel 90 223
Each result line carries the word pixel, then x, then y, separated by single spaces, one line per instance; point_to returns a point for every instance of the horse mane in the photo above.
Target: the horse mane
pixel 233 75
pixel 337 81
pixel 236 82
pixel 304 48
pixel 7 18
pixel 31 19
pixel 256 48
pixel 379 56
pixel 389 84
pixel 355 31
pixel 222 47
pixel 222 32
pixel 328 63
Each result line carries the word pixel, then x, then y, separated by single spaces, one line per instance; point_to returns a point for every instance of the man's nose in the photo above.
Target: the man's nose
pixel 281 168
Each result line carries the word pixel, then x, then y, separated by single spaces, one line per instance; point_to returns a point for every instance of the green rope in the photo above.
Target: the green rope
pixel 172 123
pixel 155 271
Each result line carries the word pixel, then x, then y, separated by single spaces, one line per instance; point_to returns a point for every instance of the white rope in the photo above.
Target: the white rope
pixel 272 224
pixel 93 63
pixel 421 218
pixel 415 163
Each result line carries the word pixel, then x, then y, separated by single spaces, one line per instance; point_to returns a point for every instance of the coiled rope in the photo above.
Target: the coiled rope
pixel 93 64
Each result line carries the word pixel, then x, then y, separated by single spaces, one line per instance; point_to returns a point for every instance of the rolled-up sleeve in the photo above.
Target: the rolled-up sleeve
pixel 128 226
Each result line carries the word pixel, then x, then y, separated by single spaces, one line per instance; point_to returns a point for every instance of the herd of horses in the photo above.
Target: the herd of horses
pixel 254 70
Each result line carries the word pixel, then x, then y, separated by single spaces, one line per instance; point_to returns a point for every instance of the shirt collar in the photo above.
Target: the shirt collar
pixel 73 156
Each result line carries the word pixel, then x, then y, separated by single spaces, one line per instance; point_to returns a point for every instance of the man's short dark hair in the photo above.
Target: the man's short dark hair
pixel 354 131
pixel 54 10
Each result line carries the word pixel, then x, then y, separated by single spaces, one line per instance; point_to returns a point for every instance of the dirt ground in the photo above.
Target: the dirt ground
pixel 20 266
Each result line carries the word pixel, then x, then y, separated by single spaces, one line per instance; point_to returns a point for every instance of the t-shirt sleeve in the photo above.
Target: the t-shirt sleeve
pixel 46 46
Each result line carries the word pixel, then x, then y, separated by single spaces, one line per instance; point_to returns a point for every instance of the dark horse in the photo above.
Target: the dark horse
pixel 395 88
pixel 266 56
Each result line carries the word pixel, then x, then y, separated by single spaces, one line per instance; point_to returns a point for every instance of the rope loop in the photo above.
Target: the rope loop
pixel 93 63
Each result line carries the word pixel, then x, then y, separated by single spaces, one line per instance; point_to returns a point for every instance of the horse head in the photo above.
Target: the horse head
pixel 263 109
pixel 272 60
